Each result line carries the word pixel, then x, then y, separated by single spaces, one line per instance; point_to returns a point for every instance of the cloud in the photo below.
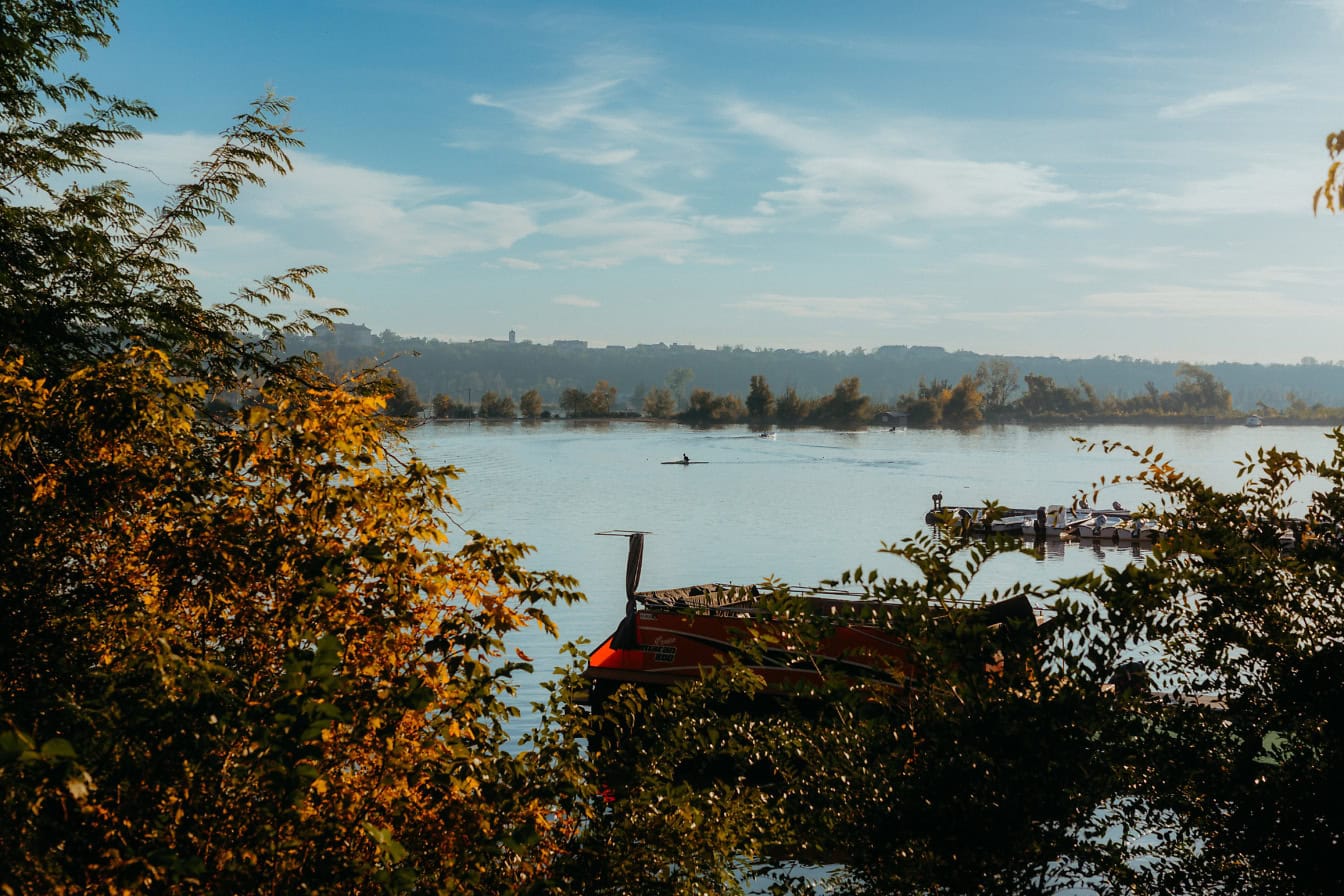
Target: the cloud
pixel 609 113
pixel 557 106
pixel 576 301
pixel 1292 275
pixel 1129 262
pixel 1073 224
pixel 1202 303
pixel 519 264
pixel 1141 258
pixel 998 260
pixel 1217 100
pixel 362 217
pixel 598 157
pixel 1333 9
pixel 605 233
pixel 868 181
pixel 1283 187
pixel 863 308
pixel 736 226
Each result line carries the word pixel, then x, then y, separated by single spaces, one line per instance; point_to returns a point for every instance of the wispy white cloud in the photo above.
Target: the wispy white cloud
pixel 1128 262
pixel 1261 188
pixel 1074 223
pixel 1333 9
pixel 1146 258
pixel 1287 275
pixel 576 301
pixel 1217 100
pixel 606 114
pixel 599 232
pixel 1113 5
pixel 364 217
pixel 518 264
pixel 1203 302
pixel 736 226
pixel 999 260
pixel 870 181
pixel 593 156
pixel 864 308
pixel 551 108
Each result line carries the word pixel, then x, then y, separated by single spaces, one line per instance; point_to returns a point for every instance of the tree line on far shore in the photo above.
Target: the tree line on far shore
pixel 996 392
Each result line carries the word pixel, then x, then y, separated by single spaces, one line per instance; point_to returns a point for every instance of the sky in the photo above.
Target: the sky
pixel 1039 177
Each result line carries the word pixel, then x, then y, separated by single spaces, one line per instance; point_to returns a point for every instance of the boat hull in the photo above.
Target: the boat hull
pixel 673 645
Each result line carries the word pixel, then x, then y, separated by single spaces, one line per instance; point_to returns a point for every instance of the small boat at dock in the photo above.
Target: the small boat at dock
pixel 670 635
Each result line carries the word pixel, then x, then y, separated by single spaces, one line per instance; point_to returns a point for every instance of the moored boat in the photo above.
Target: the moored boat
pixel 673 634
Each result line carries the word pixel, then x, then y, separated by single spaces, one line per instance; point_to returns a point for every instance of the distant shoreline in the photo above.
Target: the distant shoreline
pixel 1155 420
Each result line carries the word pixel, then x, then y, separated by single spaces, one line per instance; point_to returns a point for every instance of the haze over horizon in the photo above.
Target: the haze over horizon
pixel 1056 177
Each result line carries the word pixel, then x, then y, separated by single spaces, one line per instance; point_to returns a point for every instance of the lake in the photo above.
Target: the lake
pixel 803 506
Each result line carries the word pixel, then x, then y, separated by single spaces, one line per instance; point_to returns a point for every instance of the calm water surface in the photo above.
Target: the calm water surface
pixel 803 506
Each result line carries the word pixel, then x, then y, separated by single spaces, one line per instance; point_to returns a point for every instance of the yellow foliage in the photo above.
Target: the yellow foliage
pixel 285 573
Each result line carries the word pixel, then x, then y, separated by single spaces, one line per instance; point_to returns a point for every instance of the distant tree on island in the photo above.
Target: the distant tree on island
pixel 497 407
pixel 677 381
pixel 402 400
pixel 529 405
pixel 660 404
pixel 845 406
pixel 997 380
pixel 760 400
pixel 706 408
pixel 598 403
pixel 791 409
pixel 965 404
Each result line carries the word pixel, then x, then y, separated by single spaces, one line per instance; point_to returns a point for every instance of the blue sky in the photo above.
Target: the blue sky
pixel 1058 177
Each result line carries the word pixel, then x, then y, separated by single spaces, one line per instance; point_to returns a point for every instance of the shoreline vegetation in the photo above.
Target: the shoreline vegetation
pixel 995 394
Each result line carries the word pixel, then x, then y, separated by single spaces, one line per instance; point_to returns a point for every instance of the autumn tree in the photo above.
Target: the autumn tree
pixel 660 403
pixel 529 405
pixel 706 408
pixel 964 405
pixel 1332 189
pixel 1045 397
pixel 925 405
pixel 845 406
pixel 1199 392
pixel 792 409
pixel 497 407
pixel 678 380
pixel 997 381
pixel 239 654
pixel 401 399
pixel 602 399
pixel 760 400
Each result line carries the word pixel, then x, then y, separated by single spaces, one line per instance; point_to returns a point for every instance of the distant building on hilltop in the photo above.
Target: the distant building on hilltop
pixel 570 343
pixel 342 336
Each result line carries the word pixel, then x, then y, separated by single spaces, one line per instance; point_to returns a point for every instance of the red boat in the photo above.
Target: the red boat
pixel 670 635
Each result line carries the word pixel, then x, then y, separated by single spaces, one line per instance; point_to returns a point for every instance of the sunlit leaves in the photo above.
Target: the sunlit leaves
pixel 1332 190
pixel 242 651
